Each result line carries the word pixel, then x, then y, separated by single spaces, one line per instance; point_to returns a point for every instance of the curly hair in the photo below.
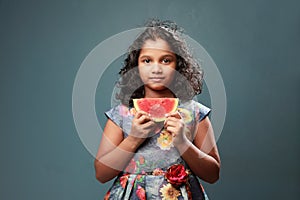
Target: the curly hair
pixel 187 82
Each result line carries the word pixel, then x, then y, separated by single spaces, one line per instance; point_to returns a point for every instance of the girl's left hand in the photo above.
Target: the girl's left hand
pixel 174 124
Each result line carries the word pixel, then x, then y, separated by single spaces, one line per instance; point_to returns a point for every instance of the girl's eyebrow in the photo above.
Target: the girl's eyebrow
pixel 168 55
pixel 149 56
pixel 144 56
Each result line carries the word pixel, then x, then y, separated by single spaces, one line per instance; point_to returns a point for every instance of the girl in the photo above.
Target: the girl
pixel 158 160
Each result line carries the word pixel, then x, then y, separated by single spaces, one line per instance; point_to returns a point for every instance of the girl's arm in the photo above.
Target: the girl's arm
pixel 114 151
pixel 202 155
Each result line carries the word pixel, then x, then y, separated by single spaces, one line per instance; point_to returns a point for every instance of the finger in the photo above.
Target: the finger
pixel 149 125
pixel 172 123
pixel 172 130
pixel 141 113
pixel 174 114
pixel 172 119
pixel 143 119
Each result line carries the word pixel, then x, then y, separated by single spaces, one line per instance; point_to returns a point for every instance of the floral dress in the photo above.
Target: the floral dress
pixel 157 170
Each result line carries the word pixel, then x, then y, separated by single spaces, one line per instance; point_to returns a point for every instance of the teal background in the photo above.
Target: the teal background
pixel 255 45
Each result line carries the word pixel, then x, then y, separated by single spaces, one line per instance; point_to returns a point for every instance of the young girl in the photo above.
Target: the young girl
pixel 158 160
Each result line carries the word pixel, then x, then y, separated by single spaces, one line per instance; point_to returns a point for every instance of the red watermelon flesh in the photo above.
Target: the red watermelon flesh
pixel 156 107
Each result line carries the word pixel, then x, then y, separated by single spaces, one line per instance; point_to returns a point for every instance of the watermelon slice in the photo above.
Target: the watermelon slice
pixel 156 107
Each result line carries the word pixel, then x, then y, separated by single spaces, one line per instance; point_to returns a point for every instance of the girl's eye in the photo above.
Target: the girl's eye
pixel 166 60
pixel 147 61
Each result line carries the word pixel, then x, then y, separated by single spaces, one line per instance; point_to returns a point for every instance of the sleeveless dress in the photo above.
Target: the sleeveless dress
pixel 157 170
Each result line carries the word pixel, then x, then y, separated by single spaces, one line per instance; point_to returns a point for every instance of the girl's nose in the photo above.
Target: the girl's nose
pixel 156 68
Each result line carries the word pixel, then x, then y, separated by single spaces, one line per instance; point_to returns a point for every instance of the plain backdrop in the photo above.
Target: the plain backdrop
pixel 255 45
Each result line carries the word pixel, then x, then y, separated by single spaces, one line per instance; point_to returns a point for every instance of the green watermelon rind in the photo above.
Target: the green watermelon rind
pixel 157 119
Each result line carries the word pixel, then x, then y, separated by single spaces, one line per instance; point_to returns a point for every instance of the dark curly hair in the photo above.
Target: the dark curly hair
pixel 186 84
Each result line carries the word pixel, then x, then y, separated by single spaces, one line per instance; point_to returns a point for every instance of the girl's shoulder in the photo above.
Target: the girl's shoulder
pixel 120 115
pixel 121 110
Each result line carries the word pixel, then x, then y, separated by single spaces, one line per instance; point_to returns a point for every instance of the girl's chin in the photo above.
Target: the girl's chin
pixel 162 89
pixel 156 86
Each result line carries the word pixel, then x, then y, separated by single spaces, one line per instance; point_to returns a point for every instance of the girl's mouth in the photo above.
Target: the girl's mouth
pixel 156 79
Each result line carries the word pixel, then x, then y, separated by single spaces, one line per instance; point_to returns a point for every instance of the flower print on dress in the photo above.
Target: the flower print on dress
pixel 124 180
pixel 132 111
pixel 168 192
pixel 177 175
pixel 140 193
pixel 124 111
pixel 141 160
pixel 131 167
pixel 165 140
pixel 186 115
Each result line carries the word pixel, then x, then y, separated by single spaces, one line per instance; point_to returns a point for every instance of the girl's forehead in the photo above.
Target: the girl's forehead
pixel 157 44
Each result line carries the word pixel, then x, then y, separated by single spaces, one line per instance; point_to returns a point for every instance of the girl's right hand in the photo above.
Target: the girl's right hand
pixel 142 126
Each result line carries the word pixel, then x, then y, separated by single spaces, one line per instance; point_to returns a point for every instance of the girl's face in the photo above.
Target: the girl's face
pixel 156 64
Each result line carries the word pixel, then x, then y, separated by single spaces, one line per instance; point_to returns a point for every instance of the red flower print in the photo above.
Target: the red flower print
pixel 140 193
pixel 131 167
pixel 177 175
pixel 123 180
